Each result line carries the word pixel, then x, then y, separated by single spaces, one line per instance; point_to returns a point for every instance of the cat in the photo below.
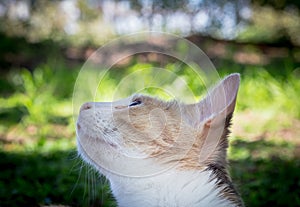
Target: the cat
pixel 162 153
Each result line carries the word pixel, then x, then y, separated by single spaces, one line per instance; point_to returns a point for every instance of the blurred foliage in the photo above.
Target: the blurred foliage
pixel 39 91
pixel 279 5
pixel 65 22
pixel 276 27
pixel 258 91
pixel 172 82
pixel 94 22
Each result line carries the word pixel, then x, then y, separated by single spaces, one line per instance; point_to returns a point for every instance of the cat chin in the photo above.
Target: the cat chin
pixel 82 153
pixel 90 161
pixel 83 134
pixel 115 163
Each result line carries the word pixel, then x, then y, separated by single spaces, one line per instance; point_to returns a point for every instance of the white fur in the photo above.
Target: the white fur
pixel 170 189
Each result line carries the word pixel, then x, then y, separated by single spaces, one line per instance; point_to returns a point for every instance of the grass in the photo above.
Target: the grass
pixel 35 178
pixel 37 137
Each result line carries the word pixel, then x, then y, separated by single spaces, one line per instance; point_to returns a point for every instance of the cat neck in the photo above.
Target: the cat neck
pixel 172 188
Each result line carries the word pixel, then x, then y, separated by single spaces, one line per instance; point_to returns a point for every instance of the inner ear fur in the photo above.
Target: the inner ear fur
pixel 220 101
pixel 213 115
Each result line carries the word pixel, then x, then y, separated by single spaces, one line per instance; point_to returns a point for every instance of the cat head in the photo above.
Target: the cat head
pixel 142 135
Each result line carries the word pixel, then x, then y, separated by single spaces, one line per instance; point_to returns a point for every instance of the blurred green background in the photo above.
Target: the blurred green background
pixel 43 45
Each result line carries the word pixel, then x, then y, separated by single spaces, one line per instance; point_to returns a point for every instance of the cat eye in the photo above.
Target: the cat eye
pixel 135 103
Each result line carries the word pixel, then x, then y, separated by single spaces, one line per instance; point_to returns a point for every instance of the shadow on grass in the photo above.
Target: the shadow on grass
pixel 33 179
pixel 272 181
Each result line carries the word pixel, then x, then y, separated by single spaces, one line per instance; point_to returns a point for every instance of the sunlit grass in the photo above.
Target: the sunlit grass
pixel 38 114
pixel 261 91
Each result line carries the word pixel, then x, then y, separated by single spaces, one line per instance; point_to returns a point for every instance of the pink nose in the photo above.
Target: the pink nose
pixel 86 106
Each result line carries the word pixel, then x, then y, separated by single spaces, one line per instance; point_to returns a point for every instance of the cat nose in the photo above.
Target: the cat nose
pixel 86 106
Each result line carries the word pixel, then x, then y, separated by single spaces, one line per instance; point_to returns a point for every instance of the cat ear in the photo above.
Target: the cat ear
pixel 215 115
pixel 220 101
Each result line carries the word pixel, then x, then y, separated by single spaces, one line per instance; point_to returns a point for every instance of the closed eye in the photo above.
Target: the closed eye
pixel 135 103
